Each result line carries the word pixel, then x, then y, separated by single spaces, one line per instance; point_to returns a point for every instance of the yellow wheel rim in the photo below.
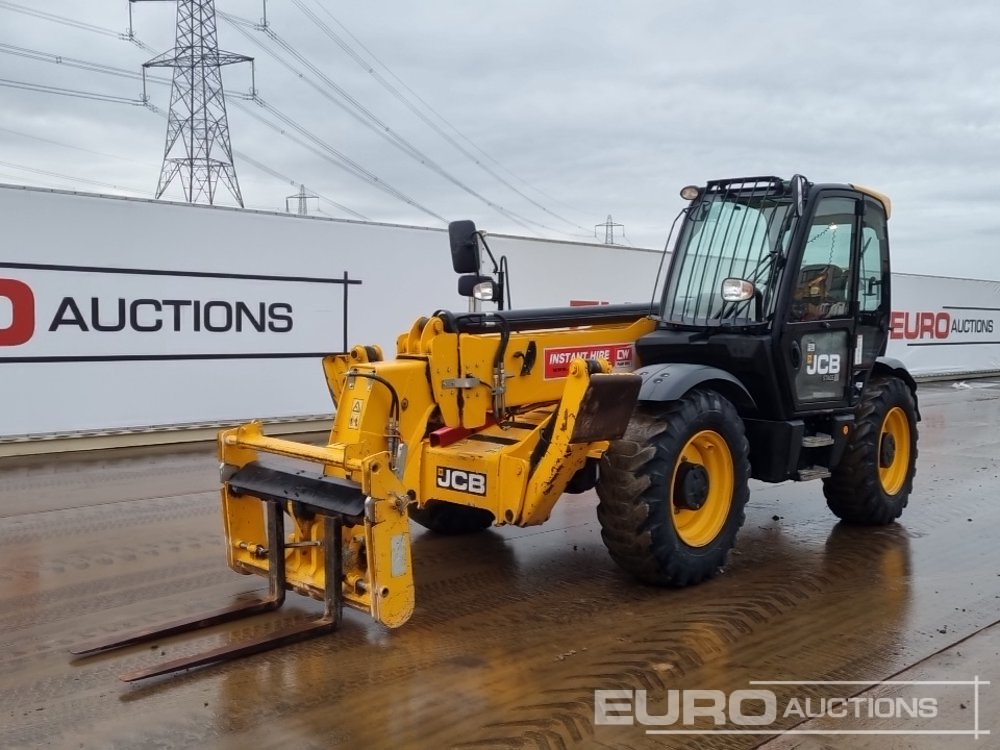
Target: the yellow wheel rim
pixel 707 449
pixel 894 461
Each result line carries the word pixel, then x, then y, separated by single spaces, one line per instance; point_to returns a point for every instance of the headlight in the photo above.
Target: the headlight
pixel 484 291
pixel 737 290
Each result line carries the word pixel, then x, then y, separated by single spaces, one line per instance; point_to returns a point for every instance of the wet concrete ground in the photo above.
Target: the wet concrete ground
pixel 515 628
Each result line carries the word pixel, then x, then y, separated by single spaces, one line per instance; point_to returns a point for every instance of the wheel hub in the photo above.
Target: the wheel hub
pixel 887 452
pixel 690 486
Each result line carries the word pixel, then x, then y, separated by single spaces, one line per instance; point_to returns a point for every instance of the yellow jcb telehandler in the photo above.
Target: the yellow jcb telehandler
pixel 763 357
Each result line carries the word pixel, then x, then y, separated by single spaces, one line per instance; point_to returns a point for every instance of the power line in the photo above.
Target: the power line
pixel 337 205
pixel 82 25
pixel 326 151
pixel 353 54
pixel 18 179
pixel 437 114
pixel 366 117
pixel 270 170
pixel 329 153
pixel 628 240
pixel 248 159
pixel 274 173
pixel 61 176
pixel 71 22
pixel 125 73
pixel 68 92
pixel 73 62
pixel 68 145
pixel 77 93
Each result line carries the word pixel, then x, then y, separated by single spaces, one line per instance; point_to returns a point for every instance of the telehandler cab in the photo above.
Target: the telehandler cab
pixel 762 358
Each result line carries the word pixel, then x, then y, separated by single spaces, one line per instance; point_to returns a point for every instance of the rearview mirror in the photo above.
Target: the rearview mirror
pixel 799 185
pixel 464 247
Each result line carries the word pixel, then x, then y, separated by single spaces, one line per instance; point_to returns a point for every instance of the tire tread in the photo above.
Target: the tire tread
pixel 853 491
pixel 637 469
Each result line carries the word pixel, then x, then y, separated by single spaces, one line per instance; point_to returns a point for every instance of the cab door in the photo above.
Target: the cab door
pixel 818 341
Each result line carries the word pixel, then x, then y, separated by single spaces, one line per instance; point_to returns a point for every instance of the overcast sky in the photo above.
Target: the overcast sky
pixel 591 109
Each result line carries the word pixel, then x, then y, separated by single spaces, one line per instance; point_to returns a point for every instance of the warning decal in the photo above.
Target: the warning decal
pixel 355 421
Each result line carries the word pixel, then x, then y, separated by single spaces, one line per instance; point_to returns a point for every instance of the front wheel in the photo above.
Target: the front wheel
pixel 673 490
pixel 873 481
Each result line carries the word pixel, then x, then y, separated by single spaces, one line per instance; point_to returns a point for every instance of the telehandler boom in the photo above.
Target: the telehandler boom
pixel 763 358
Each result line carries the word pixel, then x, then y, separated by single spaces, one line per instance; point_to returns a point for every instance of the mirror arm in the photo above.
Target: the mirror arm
pixel 482 238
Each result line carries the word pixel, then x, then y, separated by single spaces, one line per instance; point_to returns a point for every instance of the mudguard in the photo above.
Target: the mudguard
pixel 670 381
pixel 894 367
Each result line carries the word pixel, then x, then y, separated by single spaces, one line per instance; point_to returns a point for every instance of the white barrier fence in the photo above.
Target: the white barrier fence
pixel 945 326
pixel 123 313
pixel 129 314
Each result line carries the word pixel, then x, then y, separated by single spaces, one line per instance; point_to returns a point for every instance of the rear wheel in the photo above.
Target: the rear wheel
pixel 450 518
pixel 873 481
pixel 673 490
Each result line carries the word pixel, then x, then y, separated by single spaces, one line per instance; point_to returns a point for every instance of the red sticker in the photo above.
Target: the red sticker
pixel 557 361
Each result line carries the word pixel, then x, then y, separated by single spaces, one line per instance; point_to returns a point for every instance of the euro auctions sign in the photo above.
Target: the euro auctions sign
pixel 802 707
pixel 945 326
pixel 56 313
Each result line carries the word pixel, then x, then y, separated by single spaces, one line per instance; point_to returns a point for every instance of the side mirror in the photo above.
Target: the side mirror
pixel 464 247
pixel 800 186
pixel 737 290
pixel 483 288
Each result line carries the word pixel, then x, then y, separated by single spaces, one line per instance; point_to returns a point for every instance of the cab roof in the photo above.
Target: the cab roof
pixel 880 197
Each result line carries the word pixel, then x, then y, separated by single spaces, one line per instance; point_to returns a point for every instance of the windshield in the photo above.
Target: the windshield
pixel 726 236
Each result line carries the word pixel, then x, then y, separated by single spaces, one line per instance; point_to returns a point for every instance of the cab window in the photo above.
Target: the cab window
pixel 824 279
pixel 874 248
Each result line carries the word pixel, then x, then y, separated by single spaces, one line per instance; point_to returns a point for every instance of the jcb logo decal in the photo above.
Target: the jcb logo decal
pixel 20 326
pixel 823 364
pixel 461 481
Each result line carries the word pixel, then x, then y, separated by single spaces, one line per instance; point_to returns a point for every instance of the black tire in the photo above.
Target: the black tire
pixel 856 491
pixel 639 475
pixel 450 518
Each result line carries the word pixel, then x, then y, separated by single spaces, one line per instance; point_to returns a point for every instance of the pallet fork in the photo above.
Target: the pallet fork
pixel 333 607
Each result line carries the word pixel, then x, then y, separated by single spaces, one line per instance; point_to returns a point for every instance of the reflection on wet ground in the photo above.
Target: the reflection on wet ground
pixel 514 628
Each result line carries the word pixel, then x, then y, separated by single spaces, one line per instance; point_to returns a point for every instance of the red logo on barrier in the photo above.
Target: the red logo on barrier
pixel 938 325
pixel 22 319
pixel 920 325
